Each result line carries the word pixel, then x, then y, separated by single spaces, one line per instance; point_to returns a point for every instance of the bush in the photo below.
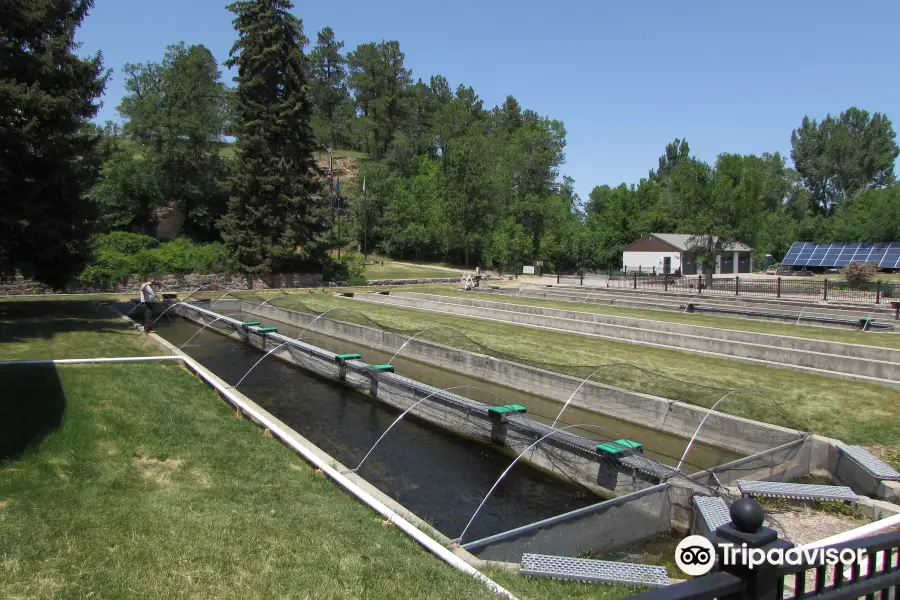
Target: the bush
pixel 124 242
pixel 858 273
pixel 119 255
pixel 348 270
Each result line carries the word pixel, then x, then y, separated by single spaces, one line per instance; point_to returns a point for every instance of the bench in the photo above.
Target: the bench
pixel 597 571
pixel 873 466
pixel 797 491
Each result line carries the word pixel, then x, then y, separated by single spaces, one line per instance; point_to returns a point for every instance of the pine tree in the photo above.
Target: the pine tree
pixel 331 99
pixel 48 156
pixel 276 204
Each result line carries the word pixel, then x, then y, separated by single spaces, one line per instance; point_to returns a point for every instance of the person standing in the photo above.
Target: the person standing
pixel 148 296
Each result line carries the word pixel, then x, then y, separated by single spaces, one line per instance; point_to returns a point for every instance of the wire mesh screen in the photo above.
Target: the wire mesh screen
pixel 784 463
pixel 605 526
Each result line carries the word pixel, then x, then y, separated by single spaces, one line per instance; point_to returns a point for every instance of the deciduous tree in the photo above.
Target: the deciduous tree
pixel 177 112
pixel 843 156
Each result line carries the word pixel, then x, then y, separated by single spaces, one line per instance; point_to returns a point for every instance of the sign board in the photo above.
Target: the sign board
pixel 528 270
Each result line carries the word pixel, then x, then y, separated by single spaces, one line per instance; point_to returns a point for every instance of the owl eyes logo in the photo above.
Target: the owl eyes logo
pixel 695 555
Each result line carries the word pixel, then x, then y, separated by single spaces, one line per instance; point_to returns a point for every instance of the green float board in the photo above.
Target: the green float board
pixel 268 330
pixel 387 368
pixel 630 444
pixel 508 408
pixel 249 323
pixel 610 448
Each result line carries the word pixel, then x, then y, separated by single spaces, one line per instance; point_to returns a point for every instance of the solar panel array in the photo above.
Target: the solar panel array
pixel 810 254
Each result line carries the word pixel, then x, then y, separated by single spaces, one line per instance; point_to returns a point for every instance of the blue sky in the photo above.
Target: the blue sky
pixel 626 77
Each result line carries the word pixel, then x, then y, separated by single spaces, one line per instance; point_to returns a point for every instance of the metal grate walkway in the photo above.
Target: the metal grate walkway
pixel 797 491
pixel 643 464
pixel 714 511
pixel 598 571
pixel 874 466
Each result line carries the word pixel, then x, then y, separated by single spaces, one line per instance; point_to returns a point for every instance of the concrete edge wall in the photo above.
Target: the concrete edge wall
pixel 828 458
pixel 661 305
pixel 866 370
pixel 677 418
pixel 670 300
pixel 805 344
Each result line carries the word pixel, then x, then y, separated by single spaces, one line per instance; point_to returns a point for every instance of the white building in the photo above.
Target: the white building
pixel 656 251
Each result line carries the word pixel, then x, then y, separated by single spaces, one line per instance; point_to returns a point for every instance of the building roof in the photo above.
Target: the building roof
pixel 682 242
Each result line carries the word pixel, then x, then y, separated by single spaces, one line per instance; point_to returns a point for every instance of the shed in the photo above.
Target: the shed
pixel 656 251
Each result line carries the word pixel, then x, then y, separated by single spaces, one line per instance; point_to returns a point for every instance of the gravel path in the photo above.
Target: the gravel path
pixel 804 525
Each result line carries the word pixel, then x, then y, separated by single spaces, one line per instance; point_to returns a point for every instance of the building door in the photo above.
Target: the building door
pixel 667 264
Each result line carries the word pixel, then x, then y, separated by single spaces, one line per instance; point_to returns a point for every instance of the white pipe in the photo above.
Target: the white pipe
pixel 370 501
pixel 854 534
pixel 79 361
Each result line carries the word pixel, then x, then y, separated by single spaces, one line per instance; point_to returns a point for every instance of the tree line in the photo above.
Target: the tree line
pixel 445 178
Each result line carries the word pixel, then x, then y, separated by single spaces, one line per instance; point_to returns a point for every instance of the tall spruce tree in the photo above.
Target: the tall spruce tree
pixel 47 151
pixel 276 205
pixel 332 107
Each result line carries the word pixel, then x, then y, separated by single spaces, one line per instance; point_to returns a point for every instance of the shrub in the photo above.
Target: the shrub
pixel 348 270
pixel 858 273
pixel 124 242
pixel 106 268
pixel 120 255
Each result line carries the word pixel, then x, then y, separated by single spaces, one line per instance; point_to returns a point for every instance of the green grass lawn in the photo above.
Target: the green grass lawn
pixel 73 328
pixel 396 270
pixel 852 411
pixel 137 481
pixel 802 331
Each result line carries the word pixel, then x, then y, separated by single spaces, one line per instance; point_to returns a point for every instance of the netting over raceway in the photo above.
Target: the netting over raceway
pixel 522 430
pixel 749 402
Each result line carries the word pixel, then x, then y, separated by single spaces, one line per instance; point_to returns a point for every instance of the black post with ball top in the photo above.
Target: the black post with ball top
pixel 737 541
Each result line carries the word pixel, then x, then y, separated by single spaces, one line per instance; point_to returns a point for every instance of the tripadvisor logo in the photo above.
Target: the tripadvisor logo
pixel 695 555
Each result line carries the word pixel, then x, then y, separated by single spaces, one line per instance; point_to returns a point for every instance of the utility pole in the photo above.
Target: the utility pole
pixel 365 220
pixel 337 200
pixel 331 187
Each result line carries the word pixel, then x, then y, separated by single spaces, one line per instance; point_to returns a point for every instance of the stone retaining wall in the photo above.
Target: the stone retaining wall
pixel 170 283
pixel 180 283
